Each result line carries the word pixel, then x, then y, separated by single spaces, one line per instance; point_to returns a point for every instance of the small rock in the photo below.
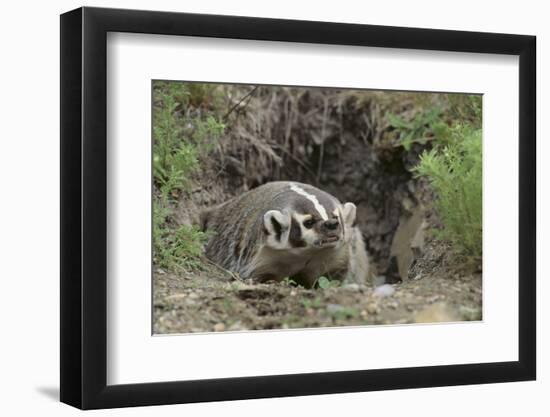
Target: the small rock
pixel 161 271
pixel 219 327
pixel 407 204
pixel 393 305
pixel 385 290
pixel 193 296
pixel 372 309
pixel 352 287
pixel 293 293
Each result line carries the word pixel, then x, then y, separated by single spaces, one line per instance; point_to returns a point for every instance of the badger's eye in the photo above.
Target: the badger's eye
pixel 309 223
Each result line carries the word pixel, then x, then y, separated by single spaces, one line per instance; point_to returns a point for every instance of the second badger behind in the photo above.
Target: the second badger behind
pixel 287 229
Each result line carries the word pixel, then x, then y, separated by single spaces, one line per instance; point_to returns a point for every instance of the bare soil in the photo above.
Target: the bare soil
pixel 440 291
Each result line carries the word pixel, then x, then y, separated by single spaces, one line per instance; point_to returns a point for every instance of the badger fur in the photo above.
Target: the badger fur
pixel 287 229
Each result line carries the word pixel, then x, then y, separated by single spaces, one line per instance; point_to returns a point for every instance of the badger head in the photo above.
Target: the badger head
pixel 307 219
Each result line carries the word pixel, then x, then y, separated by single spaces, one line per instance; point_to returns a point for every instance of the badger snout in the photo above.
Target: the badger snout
pixel 330 233
pixel 331 224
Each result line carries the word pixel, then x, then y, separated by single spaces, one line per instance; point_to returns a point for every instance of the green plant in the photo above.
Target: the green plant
pixel 290 282
pixel 417 130
pixel 176 247
pixel 181 139
pixel 325 283
pixel 455 173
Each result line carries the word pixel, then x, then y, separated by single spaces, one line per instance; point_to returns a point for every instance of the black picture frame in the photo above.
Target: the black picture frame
pixel 84 207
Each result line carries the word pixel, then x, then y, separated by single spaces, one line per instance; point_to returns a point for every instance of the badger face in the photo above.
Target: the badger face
pixel 312 220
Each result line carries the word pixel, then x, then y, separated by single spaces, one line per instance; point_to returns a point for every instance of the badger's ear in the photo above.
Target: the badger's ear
pixel 276 223
pixel 348 212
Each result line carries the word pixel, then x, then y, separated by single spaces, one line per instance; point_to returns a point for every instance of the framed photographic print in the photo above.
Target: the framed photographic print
pixel 258 208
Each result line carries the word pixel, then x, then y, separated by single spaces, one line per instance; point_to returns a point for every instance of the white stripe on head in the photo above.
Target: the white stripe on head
pixel 311 198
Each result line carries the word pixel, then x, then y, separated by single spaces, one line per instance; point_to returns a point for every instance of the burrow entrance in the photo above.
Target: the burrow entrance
pixel 337 140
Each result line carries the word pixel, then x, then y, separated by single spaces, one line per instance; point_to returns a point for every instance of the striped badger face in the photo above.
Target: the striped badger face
pixel 310 219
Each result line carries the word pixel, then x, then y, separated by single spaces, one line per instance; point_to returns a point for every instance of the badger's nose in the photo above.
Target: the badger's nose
pixel 331 224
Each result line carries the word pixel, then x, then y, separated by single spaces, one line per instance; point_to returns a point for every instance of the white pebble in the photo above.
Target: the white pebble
pixel 384 290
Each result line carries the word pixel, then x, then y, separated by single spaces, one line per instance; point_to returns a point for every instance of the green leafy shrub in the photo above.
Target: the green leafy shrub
pixel 455 173
pixel 181 138
pixel 432 122
pixel 179 248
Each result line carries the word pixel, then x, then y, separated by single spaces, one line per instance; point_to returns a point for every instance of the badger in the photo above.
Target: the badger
pixel 287 229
